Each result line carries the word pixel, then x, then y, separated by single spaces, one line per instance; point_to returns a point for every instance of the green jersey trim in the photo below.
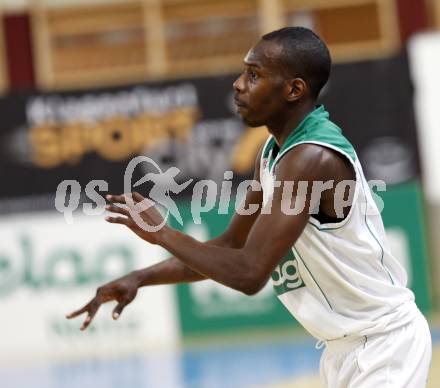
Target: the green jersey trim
pixel 317 284
pixel 374 236
pixel 314 221
pixel 268 146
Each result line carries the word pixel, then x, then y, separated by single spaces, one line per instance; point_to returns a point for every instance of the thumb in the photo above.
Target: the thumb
pixel 118 310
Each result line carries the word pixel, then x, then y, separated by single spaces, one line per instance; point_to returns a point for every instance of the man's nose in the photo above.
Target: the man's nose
pixel 238 84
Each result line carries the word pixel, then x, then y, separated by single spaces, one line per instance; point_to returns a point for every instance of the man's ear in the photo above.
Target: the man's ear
pixel 297 89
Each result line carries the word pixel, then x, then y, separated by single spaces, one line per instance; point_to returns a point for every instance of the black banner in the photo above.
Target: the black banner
pixel 191 124
pixel 373 103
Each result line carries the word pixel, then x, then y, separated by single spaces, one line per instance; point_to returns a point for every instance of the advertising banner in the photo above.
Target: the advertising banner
pixel 191 125
pixel 49 268
pixel 404 220
pixel 90 135
pixel 424 54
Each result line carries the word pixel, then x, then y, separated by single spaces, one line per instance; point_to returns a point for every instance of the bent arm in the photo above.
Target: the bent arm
pixel 174 271
pixel 247 269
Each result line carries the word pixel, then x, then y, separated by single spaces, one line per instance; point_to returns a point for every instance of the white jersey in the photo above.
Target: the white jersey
pixel 340 279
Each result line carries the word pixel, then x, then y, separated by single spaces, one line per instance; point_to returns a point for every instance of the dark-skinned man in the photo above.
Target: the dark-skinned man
pixel 330 265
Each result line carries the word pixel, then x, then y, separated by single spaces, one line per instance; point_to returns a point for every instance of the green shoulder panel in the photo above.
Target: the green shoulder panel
pixel 315 128
pixel 270 142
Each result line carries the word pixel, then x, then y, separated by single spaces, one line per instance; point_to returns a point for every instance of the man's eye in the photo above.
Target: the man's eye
pixel 252 75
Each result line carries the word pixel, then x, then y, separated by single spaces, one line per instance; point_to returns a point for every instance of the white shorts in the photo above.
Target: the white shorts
pixel 398 359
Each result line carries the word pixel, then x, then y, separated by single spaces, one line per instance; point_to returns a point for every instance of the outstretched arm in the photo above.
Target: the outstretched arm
pixel 171 271
pixel 124 289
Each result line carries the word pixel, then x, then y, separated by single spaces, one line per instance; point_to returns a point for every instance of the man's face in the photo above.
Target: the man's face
pixel 260 89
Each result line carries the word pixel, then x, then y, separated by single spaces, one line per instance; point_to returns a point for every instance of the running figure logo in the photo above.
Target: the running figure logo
pixel 163 184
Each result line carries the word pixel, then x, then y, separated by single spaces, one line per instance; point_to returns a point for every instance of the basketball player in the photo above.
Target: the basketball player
pixel 330 266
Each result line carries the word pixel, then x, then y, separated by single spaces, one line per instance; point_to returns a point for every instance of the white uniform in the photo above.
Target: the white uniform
pixel 341 282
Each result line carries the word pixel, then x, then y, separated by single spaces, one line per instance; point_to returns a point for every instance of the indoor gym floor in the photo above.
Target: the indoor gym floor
pixel 263 363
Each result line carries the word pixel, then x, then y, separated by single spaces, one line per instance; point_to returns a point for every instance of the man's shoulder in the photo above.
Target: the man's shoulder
pixel 308 161
pixel 329 134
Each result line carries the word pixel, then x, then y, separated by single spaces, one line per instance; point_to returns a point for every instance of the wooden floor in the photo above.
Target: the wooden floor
pixel 281 362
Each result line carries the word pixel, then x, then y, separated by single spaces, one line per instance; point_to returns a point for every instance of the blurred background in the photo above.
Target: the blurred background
pixel 87 85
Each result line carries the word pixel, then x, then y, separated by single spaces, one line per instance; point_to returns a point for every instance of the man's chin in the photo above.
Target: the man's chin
pixel 251 123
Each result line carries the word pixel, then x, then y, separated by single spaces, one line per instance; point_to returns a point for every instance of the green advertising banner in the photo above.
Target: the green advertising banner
pixel 405 224
pixel 207 307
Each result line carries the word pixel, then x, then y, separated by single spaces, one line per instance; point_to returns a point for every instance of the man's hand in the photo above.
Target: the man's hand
pixel 137 213
pixel 122 290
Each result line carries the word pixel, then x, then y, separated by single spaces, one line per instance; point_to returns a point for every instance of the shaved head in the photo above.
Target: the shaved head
pixel 301 54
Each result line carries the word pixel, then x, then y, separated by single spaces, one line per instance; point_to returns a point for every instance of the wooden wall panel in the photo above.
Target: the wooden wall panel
pixel 135 40
pixel 3 73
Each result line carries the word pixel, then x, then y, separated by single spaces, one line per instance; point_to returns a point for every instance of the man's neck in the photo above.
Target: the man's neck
pixel 285 125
